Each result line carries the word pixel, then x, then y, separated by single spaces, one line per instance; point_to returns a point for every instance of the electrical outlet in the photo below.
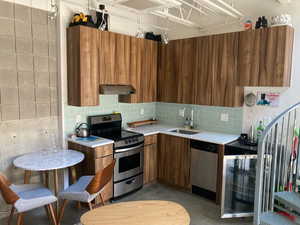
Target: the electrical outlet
pixel 224 117
pixel 181 112
pixel 78 118
pixel 142 112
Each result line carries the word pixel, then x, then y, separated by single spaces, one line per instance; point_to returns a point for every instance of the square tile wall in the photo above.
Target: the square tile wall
pixel 28 74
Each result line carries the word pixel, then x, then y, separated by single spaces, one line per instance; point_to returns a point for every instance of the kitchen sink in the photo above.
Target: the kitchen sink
pixel 181 131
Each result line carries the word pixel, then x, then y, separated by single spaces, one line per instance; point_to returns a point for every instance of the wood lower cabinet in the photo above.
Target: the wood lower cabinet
pixel 95 160
pixel 82 60
pixel 265 57
pixel 150 159
pixel 174 161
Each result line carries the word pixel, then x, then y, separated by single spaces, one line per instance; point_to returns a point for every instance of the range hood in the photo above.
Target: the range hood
pixel 116 89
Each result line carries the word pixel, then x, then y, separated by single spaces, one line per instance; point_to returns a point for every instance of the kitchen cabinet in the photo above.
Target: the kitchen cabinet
pixel 225 91
pixel 82 63
pixel 175 69
pixel 95 160
pixel 174 161
pixel 150 159
pixel 143 71
pixel 114 58
pixel 265 57
pixel 203 70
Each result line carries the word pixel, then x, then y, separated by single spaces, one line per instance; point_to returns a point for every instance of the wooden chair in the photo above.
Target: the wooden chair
pixel 26 197
pixel 87 188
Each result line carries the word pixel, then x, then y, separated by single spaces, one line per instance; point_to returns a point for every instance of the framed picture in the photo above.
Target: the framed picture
pixel 268 99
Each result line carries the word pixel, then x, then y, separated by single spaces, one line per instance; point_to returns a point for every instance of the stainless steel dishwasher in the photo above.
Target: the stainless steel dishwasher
pixel 204 168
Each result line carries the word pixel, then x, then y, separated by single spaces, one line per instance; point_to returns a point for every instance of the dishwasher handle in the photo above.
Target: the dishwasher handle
pixel 204 146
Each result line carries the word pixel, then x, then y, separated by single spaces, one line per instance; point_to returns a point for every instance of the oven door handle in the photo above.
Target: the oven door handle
pixel 129 149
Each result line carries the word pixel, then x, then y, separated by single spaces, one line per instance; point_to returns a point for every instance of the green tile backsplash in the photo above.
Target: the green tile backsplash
pixel 205 117
pixel 108 104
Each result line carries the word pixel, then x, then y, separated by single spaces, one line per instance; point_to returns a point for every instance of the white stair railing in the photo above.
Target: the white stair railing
pixel 277 161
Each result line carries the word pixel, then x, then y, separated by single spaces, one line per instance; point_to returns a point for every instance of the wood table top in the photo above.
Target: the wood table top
pixel 138 213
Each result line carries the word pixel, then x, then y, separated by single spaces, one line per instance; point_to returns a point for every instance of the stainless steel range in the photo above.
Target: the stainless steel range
pixel 128 152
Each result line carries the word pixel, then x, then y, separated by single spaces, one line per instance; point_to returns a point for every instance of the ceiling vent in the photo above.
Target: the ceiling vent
pixel 148 5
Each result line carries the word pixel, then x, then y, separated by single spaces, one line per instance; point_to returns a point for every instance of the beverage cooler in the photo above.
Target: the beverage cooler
pixel 238 186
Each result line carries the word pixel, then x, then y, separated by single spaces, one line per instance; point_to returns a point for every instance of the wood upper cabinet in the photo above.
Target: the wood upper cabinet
pixel 175 71
pixel 143 71
pixel 203 70
pixel 174 161
pixel 82 60
pixel 265 57
pixel 114 58
pixel 167 73
pixel 225 90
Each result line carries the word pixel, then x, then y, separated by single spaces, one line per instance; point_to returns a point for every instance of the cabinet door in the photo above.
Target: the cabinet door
pixel 186 61
pixel 149 70
pixel 107 57
pixel 150 163
pixel 82 56
pixel 100 164
pixel 275 69
pixel 168 69
pixel 122 59
pixel 265 56
pixel 174 161
pixel 225 91
pixel 202 89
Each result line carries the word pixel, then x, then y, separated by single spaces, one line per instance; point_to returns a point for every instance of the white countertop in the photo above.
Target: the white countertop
pixel 92 144
pixel 151 129
pixel 211 137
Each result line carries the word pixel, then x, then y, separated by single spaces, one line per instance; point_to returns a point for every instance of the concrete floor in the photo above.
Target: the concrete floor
pixel 202 211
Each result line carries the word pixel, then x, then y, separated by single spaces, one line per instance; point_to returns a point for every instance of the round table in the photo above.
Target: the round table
pixel 48 160
pixel 138 213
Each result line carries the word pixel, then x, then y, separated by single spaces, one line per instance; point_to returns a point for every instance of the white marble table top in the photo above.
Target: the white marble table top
pixel 48 160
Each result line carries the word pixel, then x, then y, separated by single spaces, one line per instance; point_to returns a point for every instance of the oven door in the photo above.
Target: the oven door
pixel 129 162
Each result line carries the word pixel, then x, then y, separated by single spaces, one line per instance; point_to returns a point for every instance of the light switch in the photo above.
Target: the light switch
pixel 78 118
pixel 224 117
pixel 142 112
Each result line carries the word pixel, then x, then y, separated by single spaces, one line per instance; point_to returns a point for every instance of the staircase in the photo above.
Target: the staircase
pixel 277 201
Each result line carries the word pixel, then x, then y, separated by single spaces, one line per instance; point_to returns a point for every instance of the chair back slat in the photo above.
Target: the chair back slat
pixel 101 179
pixel 9 196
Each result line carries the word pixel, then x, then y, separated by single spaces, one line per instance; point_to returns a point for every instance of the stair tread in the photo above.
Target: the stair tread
pixel 272 218
pixel 292 199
